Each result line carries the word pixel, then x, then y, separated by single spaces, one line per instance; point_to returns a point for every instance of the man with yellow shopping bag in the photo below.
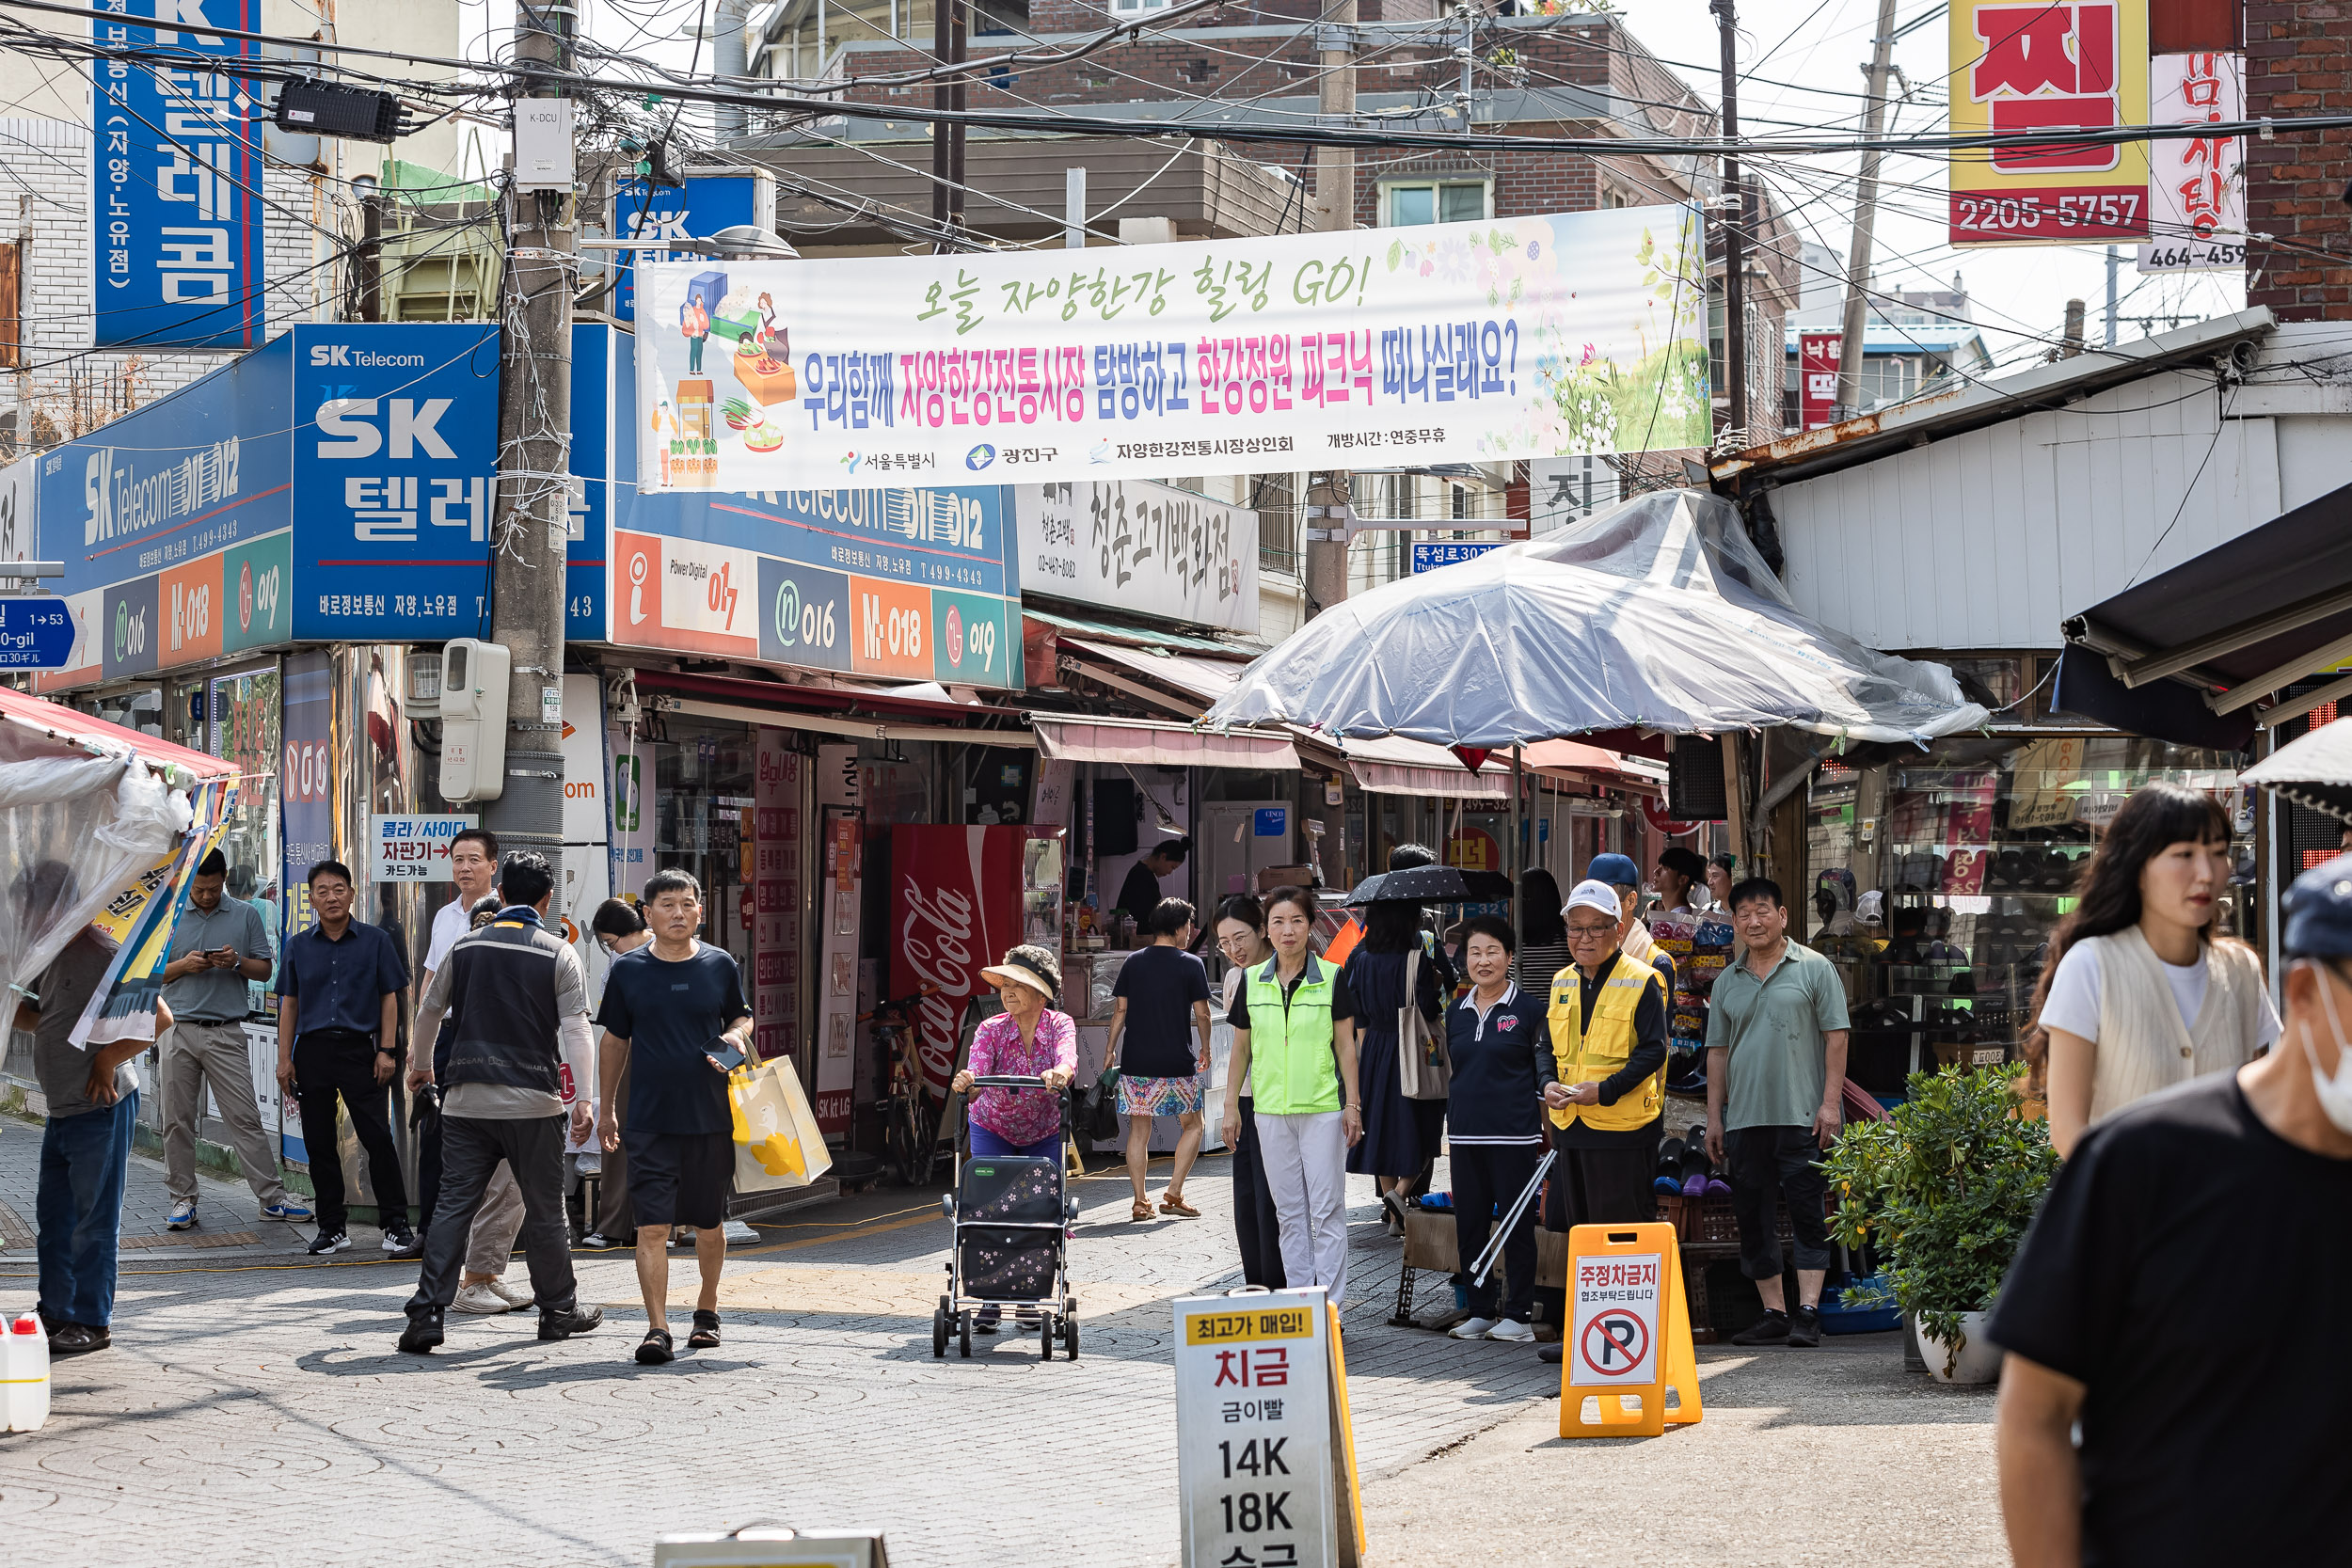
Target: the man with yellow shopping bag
pixel 517 1009
pixel 675 1017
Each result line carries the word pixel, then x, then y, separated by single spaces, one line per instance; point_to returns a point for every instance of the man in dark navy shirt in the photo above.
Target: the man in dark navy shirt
pixel 338 987
pixel 668 1008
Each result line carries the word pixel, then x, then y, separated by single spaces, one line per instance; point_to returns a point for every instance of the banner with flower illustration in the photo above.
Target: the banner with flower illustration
pixel 1459 343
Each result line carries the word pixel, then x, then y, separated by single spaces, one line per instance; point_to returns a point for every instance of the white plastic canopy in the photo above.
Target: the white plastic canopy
pixel 1657 614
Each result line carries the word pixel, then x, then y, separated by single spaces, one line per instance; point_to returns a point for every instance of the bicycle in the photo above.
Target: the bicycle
pixel 909 1120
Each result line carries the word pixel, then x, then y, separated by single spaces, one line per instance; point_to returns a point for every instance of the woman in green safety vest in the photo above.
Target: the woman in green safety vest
pixel 1302 1075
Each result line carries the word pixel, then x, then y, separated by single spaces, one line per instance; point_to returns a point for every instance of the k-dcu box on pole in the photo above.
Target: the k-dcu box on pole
pixel 1514 338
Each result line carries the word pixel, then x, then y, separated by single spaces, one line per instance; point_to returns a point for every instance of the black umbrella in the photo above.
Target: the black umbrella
pixel 1430 884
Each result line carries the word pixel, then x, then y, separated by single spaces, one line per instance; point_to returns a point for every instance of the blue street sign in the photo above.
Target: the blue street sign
pixel 176 230
pixel 35 633
pixel 1429 557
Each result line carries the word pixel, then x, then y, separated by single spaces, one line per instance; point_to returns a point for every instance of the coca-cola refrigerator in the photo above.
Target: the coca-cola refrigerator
pixel 959 899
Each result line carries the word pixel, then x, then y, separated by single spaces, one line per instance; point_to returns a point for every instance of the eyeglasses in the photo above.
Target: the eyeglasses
pixel 1590 933
pixel 1238 940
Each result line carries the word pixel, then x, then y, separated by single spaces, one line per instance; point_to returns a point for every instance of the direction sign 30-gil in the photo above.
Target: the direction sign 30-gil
pixel 36 633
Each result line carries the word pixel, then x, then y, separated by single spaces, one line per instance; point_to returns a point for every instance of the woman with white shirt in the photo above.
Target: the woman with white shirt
pixel 2140 993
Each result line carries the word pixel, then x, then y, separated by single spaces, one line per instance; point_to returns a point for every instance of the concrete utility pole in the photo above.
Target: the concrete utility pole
pixel 947 93
pixel 1324 568
pixel 1866 212
pixel 2115 261
pixel 730 57
pixel 527 536
pixel 1736 224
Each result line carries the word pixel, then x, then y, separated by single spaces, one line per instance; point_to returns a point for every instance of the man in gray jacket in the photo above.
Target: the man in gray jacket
pixel 520 1055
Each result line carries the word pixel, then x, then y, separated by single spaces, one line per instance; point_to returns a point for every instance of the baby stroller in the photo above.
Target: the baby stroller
pixel 1010 1250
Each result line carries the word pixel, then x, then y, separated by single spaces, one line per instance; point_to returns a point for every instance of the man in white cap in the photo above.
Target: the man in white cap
pixel 1608 1021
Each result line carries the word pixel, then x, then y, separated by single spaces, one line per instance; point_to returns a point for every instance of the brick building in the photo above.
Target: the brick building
pixel 2298 61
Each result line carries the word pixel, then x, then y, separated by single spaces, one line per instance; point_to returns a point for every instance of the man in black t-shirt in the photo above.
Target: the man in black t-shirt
pixel 2181 1295
pixel 667 1008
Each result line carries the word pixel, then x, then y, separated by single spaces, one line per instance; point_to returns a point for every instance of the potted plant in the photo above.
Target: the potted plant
pixel 1947 1187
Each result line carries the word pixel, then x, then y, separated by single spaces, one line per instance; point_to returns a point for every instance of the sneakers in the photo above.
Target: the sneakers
pixel 1770 1329
pixel 1470 1328
pixel 328 1241
pixel 516 1299
pixel 183 1216
pixel 739 1234
pixel 597 1241
pixel 290 1211
pixel 1512 1332
pixel 401 1241
pixel 480 1300
pixel 1804 1326
pixel 564 1322
pixel 422 1334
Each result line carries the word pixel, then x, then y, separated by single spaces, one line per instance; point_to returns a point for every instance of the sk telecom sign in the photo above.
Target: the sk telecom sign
pixel 2033 66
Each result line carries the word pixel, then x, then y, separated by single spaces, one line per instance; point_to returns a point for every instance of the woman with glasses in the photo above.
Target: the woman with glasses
pixel 1608 1026
pixel 618 929
pixel 1241 937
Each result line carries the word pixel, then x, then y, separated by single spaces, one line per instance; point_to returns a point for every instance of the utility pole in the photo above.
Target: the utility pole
pixel 1324 574
pixel 368 261
pixel 947 94
pixel 1866 212
pixel 1467 56
pixel 527 536
pixel 1735 225
pixel 2115 261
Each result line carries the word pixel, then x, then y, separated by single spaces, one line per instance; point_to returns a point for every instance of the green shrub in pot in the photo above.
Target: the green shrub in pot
pixel 1947 1189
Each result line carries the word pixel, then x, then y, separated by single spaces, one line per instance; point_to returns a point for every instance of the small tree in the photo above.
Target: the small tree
pixel 1947 1188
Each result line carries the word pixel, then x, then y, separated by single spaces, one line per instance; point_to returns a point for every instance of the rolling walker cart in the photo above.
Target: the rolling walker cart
pixel 1011 1249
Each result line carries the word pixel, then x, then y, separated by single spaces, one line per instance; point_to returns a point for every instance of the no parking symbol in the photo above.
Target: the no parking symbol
pixel 1614 1344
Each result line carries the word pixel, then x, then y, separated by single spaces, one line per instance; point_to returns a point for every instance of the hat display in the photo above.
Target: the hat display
pixel 2319 911
pixel 1593 893
pixel 1617 869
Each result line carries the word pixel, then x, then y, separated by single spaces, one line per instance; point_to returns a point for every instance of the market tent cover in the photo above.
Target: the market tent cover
pixel 95 821
pixel 2314 770
pixel 1657 614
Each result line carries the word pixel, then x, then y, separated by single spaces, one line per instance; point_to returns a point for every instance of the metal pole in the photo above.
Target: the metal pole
pixel 942 99
pixel 1866 212
pixel 526 539
pixel 1467 53
pixel 960 16
pixel 1324 548
pixel 2115 261
pixel 1074 206
pixel 1735 201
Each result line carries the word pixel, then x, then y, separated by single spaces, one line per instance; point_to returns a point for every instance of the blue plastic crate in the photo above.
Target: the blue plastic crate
pixel 1838 1318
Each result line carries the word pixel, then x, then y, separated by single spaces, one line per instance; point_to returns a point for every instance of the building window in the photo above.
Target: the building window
pixel 1408 202
pixel 1275 499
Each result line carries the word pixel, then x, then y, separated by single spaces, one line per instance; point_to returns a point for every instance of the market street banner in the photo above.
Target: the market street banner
pixel 1516 337
pixel 2030 66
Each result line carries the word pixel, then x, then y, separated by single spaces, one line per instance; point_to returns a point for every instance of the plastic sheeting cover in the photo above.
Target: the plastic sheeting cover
pixel 1659 613
pixel 74 829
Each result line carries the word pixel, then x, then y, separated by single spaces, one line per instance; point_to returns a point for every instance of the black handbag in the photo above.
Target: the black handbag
pixel 1097 1117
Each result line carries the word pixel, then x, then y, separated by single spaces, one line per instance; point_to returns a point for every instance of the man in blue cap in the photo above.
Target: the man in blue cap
pixel 2181 1296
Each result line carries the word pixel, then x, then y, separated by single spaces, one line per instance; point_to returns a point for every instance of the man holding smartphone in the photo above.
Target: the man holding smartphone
pixel 218 946
pixel 672 1010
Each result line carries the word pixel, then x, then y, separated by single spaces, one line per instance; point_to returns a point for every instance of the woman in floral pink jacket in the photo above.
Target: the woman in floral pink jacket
pixel 1028 1040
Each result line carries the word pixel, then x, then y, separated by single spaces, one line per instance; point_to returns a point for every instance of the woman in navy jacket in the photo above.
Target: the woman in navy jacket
pixel 1501 1046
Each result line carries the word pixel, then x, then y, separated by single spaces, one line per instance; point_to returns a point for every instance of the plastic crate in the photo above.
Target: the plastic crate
pixel 1838 1318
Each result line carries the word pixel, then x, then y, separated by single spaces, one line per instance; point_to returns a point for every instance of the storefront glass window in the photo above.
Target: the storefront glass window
pixel 241 726
pixel 1936 881
pixel 703 823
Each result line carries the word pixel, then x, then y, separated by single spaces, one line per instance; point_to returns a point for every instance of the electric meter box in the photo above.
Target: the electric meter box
pixel 474 676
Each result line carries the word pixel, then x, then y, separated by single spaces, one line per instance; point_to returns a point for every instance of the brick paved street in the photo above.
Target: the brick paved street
pixel 253 1408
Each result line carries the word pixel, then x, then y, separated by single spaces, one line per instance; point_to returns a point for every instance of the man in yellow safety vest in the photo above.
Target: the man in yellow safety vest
pixel 1608 1021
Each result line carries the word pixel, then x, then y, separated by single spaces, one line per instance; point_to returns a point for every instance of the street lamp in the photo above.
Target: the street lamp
pixel 741 242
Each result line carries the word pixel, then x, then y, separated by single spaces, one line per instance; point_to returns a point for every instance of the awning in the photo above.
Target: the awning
pixel 73 728
pixel 1201 679
pixel 2186 654
pixel 1597 763
pixel 1137 742
pixel 1400 767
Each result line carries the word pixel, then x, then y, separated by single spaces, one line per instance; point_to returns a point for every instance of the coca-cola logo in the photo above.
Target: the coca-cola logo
pixel 936 939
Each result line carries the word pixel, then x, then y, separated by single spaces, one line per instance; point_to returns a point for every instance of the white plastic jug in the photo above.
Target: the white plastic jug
pixel 23 1375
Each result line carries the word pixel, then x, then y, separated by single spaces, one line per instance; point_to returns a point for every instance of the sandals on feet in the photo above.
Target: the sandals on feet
pixel 706 1335
pixel 655 1350
pixel 1141 1210
pixel 1171 1204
